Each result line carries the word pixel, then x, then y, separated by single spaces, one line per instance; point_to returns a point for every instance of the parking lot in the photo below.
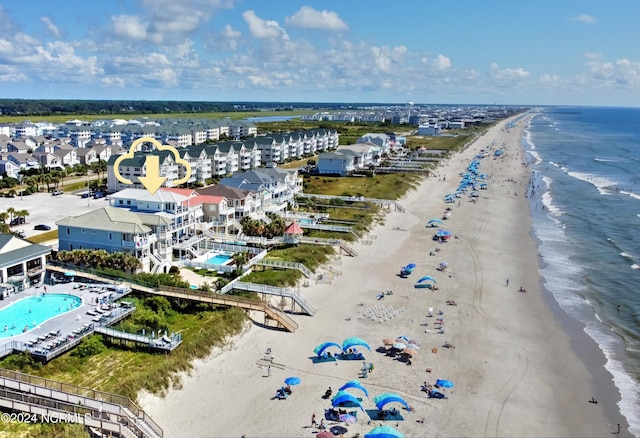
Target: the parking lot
pixel 45 208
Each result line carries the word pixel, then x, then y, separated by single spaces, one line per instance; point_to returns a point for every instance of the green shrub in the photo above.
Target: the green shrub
pixel 89 347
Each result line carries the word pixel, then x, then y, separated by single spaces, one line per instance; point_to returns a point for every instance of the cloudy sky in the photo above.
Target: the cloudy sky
pixel 569 52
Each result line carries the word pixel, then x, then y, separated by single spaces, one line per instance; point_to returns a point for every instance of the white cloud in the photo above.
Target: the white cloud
pixel 623 73
pixel 310 18
pixel 260 28
pixel 129 27
pixel 51 28
pixel 442 62
pixel 507 74
pixel 584 18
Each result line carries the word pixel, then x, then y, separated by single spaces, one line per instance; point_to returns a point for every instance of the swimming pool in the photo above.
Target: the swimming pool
pixel 219 259
pixel 32 311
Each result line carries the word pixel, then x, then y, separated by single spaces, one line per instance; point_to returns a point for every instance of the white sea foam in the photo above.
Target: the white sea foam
pixel 633 195
pixel 547 199
pixel 605 160
pixel 635 266
pixel 536 156
pixel 601 183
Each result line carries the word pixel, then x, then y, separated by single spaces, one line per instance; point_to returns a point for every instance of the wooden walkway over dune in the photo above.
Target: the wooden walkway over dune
pixel 271 313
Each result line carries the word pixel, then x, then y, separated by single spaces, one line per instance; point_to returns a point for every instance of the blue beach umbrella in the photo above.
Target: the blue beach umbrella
pixel 434 222
pixel 292 381
pixel 354 342
pixel 384 432
pixel 444 383
pixel 320 349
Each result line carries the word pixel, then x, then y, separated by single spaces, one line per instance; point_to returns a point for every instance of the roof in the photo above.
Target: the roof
pixel 294 228
pixel 206 199
pixel 14 250
pixel 226 191
pixel 144 195
pixel 108 219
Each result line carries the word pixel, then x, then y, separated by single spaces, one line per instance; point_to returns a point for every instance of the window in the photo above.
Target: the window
pixel 128 202
pixel 110 236
pixel 68 231
pixel 120 202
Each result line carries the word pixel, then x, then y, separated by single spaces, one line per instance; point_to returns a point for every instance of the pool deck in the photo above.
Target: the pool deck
pixel 77 321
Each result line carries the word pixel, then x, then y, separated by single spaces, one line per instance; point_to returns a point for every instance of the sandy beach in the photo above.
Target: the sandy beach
pixel 518 368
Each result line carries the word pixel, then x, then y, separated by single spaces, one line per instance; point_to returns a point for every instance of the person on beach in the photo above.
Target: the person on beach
pixel 313 420
pixel 507 282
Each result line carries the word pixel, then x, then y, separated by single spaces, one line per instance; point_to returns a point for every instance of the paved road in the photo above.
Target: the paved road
pixel 45 208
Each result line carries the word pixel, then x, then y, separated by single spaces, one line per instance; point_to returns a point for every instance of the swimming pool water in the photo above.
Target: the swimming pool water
pixel 32 311
pixel 218 259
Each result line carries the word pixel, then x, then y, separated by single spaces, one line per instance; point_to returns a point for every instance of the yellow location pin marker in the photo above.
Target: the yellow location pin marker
pixel 153 180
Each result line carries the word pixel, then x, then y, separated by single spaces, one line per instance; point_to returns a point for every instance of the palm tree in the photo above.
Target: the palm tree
pixel 4 216
pixel 22 213
pixel 12 212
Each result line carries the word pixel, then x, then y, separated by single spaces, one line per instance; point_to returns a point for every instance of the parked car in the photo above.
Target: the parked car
pixel 57 192
pixel 42 227
pixel 98 195
pixel 17 221
pixel 85 195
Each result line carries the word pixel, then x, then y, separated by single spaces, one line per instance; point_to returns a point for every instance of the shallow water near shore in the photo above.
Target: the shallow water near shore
pixel 585 208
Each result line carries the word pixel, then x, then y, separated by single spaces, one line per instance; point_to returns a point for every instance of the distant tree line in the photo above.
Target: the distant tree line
pixel 51 107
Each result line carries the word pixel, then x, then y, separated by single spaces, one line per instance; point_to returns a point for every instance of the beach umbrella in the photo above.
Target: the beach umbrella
pixel 338 430
pixel 322 347
pixel 444 383
pixel 347 418
pixel 292 381
pixel 413 346
pixel 388 341
pixel 354 384
pixel 399 346
pixel 434 222
pixel 402 338
pixel 414 342
pixel 410 351
pixel 383 399
pixel 353 342
pixel 325 434
pixel 427 278
pixel 384 432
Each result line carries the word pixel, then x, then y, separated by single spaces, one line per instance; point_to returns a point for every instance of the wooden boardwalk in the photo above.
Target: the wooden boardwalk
pixel 271 313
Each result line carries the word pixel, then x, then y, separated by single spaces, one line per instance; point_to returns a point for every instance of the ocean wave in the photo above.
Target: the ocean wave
pixel 626 255
pixel 635 266
pixel 536 156
pixel 633 195
pixel 601 183
pixel 547 199
pixel 605 160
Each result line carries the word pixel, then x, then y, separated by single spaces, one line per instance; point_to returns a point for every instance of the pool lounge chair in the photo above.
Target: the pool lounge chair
pixel 91 312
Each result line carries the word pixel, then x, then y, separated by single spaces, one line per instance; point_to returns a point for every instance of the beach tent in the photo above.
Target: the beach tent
pixel 434 222
pixel 384 432
pixel 354 384
pixel 354 342
pixel 343 397
pixel 426 278
pixel 383 399
pixel 320 349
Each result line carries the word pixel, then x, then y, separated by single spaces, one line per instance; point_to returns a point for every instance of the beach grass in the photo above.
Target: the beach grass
pixel 128 370
pixel 387 186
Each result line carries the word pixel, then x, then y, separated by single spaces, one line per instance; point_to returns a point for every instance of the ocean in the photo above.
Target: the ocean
pixel 585 207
